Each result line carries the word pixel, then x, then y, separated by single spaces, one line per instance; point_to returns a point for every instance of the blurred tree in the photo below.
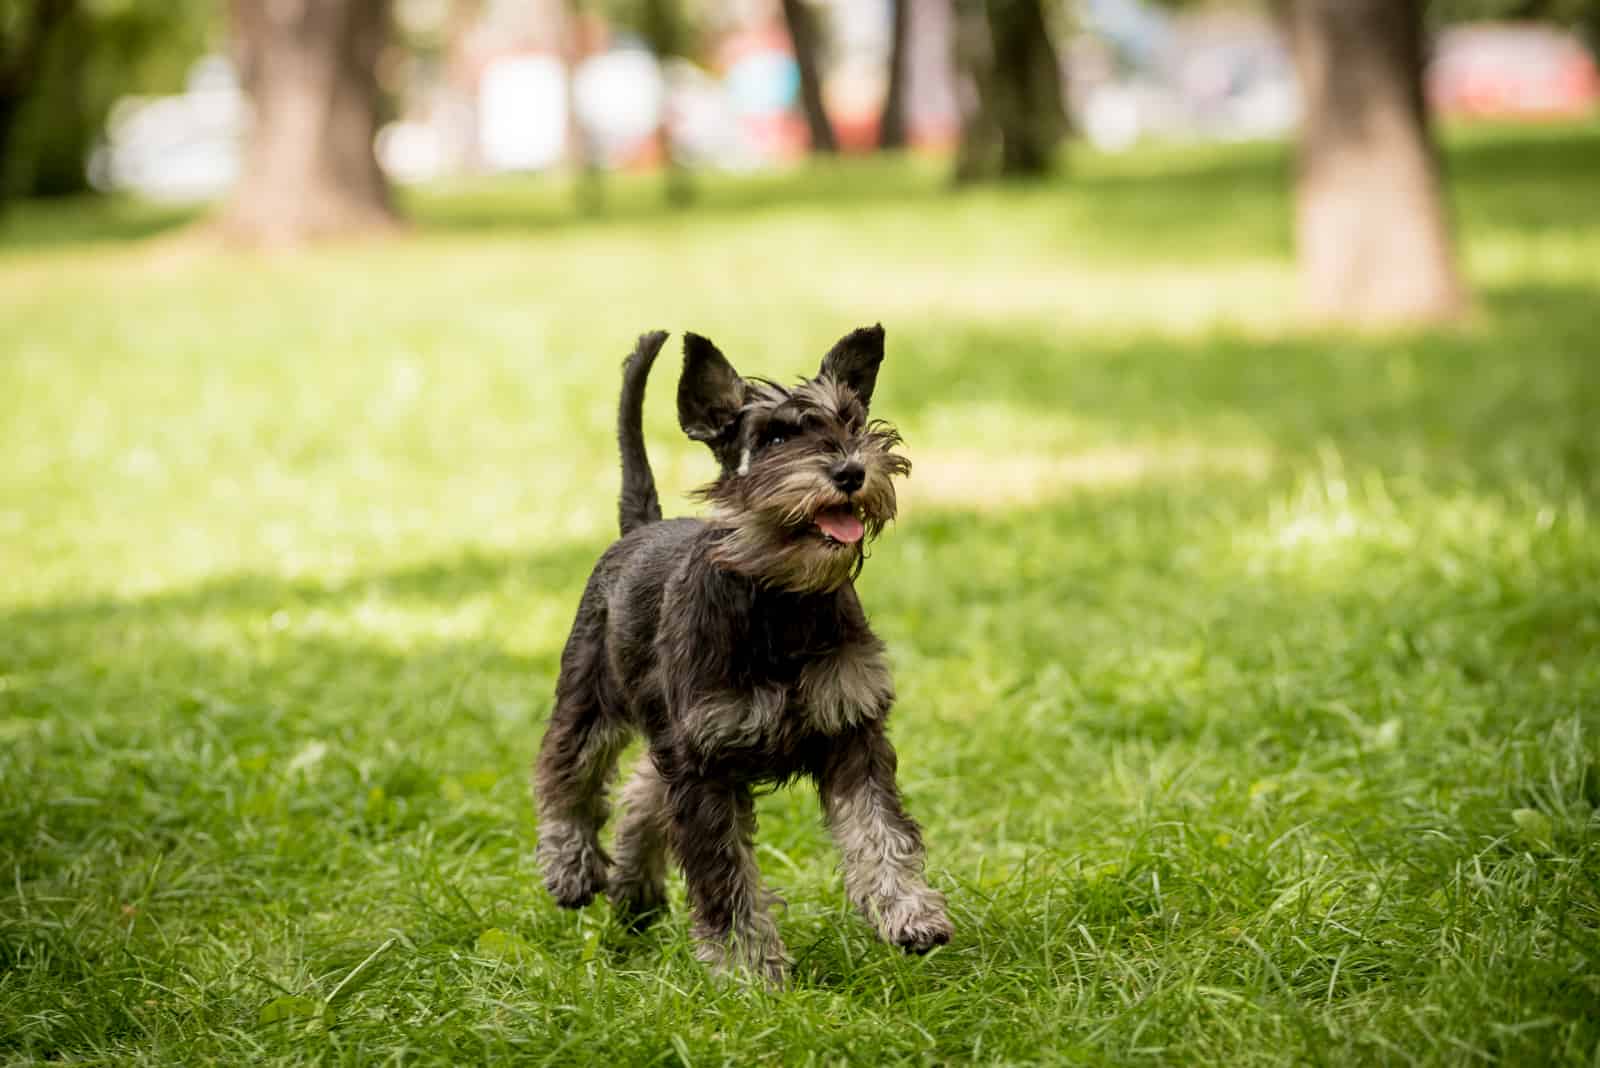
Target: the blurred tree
pixel 1371 225
pixel 672 29
pixel 978 152
pixel 310 68
pixel 668 33
pixel 581 158
pixel 461 73
pixel 64 63
pixel 1571 12
pixel 1012 112
pixel 803 35
pixel 25 31
pixel 892 124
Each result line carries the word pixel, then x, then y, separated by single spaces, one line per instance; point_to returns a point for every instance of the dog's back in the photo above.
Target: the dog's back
pixel 630 582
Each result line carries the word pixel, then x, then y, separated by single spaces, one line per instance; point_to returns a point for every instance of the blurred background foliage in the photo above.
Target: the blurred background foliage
pixel 65 63
pixel 299 117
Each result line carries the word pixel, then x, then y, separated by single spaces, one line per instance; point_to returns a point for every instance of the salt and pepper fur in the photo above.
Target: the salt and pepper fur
pixel 737 646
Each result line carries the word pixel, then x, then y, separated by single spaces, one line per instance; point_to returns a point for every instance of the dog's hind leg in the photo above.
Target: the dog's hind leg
pixel 576 762
pixel 638 887
pixel 713 832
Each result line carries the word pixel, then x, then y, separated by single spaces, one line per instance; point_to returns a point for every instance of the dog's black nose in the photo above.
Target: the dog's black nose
pixel 848 476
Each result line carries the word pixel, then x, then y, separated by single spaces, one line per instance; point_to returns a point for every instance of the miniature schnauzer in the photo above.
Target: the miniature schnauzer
pixel 737 646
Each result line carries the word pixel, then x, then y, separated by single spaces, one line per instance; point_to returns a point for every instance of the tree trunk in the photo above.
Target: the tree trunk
pixel 580 153
pixel 21 63
pixel 1589 27
pixel 1371 227
pixel 1012 114
pixel 310 69
pixel 1028 99
pixel 64 122
pixel 892 125
pixel 803 36
pixel 461 78
pixel 978 153
pixel 665 31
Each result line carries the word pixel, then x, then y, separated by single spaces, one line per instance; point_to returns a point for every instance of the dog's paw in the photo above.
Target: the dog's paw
pixel 771 972
pixel 574 872
pixel 918 923
pixel 922 934
pixel 637 904
pixel 574 888
pixel 763 960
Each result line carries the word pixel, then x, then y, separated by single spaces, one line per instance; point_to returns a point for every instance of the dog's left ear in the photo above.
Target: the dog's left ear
pixel 710 391
pixel 855 359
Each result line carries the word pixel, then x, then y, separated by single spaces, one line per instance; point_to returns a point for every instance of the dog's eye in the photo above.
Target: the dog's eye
pixel 777 434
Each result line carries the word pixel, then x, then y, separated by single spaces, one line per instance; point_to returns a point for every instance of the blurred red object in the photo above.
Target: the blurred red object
pixel 1512 71
pixel 856 133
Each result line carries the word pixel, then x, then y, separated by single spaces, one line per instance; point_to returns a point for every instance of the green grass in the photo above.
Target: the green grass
pixel 1250 677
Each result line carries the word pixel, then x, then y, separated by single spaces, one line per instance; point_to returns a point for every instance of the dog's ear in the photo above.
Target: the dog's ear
pixel 710 391
pixel 854 361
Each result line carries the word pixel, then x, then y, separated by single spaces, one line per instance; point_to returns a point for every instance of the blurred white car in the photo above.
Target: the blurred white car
pixel 184 147
pixel 1214 77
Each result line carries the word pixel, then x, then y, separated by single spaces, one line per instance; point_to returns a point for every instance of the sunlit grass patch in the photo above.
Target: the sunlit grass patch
pixel 972 479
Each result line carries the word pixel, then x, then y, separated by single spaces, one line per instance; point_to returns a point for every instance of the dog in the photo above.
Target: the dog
pixel 737 646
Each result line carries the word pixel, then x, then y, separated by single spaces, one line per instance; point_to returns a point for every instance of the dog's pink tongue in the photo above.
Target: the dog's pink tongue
pixel 840 524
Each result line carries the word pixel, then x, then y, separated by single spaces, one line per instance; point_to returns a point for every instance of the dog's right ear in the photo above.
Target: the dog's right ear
pixel 710 391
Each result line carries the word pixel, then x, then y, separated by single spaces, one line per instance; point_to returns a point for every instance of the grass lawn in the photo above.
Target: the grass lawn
pixel 1249 677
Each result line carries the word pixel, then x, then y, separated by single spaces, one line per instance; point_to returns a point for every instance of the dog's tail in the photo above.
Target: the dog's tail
pixel 638 503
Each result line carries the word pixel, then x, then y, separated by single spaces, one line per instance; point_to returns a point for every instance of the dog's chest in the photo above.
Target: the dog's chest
pixel 796 671
pixel 775 723
pixel 844 689
pixel 825 670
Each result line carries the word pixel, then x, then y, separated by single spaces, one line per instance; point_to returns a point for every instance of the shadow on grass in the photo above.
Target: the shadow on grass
pixel 1498 405
pixel 83 220
pixel 519 204
pixel 108 700
pixel 257 651
pixel 514 204
pixel 554 570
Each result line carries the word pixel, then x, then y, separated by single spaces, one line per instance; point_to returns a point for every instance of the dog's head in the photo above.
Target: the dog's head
pixel 806 476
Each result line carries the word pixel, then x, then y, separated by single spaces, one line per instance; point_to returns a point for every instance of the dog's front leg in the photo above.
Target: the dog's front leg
pixel 713 833
pixel 880 844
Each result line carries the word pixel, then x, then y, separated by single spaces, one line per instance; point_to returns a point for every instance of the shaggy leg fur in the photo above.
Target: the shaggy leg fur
pixel 638 887
pixel 713 832
pixel 576 761
pixel 881 845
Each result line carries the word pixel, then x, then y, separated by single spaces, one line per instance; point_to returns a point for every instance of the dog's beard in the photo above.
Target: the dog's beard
pixel 782 527
pixel 781 557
